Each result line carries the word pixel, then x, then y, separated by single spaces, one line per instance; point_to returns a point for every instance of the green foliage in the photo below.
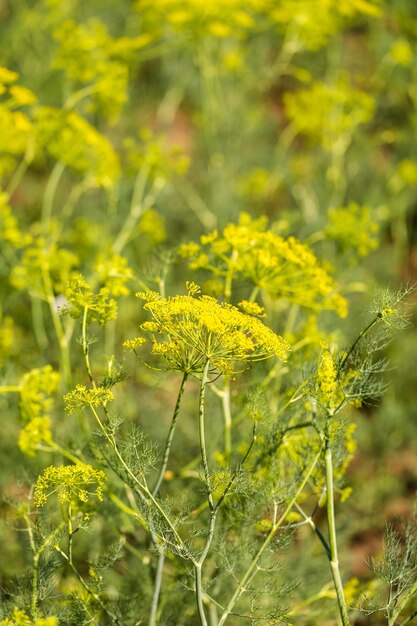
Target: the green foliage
pixel 260 154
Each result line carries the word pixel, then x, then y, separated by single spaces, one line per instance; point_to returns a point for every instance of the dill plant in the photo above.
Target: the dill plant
pixel 130 515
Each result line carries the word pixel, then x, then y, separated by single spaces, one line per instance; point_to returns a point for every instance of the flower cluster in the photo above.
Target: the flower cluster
pixel 190 330
pixel 114 272
pixel 283 267
pixel 325 111
pixel 88 55
pixel 70 139
pixel 10 231
pixel 36 432
pixel 353 228
pixel 80 397
pixel 20 618
pixel 329 390
pixel 312 23
pixel 8 338
pixel 81 298
pixel 16 128
pixel 44 267
pixel 72 483
pixel 36 395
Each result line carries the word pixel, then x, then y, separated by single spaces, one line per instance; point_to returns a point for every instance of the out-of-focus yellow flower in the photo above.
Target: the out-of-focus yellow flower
pixel 283 267
pixel 20 618
pixel 353 228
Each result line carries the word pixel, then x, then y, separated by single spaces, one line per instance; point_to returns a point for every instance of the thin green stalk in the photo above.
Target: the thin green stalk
pixel 144 491
pixel 161 557
pixel 170 435
pixel 224 395
pixel 157 589
pixel 334 560
pixel 103 607
pixel 63 338
pixel 21 168
pixel 355 343
pixel 309 520
pixel 137 206
pixel 54 447
pixel 199 595
pixel 401 607
pixel 86 350
pixel 203 451
pixel 36 556
pixel 39 323
pixel 196 203
pixel 276 525
pixel 410 618
pixel 50 190
pixel 70 534
pixel 213 510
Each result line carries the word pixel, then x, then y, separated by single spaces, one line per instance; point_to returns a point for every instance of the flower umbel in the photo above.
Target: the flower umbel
pixel 80 397
pixel 72 483
pixel 190 330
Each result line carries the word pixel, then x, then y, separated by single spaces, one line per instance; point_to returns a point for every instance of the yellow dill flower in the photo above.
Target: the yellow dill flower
pixel 101 308
pixel 133 344
pixel 40 259
pixel 20 618
pixel 328 386
pixel 252 308
pixel 71 483
pixel 323 111
pixel 353 228
pixel 80 397
pixel 283 267
pixel 9 226
pixel 69 138
pixel 190 330
pixel 36 395
pixel 114 272
pixel 37 431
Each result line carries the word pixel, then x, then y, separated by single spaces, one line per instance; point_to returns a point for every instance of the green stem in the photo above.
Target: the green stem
pixel 334 560
pixel 249 572
pixel 86 350
pixel 224 395
pixel 410 619
pixel 401 607
pixel 21 168
pixel 36 556
pixel 229 276
pixel 136 210
pixel 199 595
pixel 157 589
pixel 213 510
pixel 203 450
pixel 144 491
pixel 39 323
pixel 355 343
pixel 103 607
pixel 50 190
pixel 70 534
pixel 55 447
pixel 309 520
pixel 196 203
pixel 62 337
pixel 170 436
